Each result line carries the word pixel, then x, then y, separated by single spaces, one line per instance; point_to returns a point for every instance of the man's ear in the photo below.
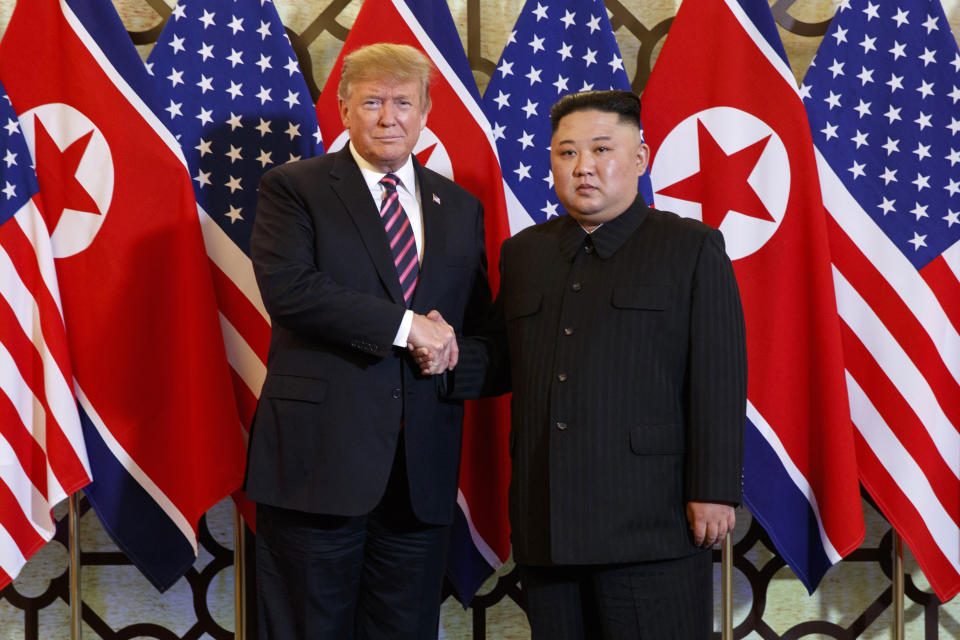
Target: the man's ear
pixel 424 114
pixel 643 158
pixel 344 115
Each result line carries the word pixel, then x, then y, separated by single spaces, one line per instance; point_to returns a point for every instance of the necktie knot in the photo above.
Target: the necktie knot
pixel 390 182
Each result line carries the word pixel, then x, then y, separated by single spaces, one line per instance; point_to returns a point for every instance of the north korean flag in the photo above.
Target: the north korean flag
pixel 150 369
pixel 732 147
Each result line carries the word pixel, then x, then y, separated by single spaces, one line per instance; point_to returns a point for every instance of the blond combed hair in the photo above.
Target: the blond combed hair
pixel 386 61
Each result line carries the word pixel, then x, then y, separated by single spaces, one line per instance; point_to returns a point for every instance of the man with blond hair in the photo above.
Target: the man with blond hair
pixel 353 456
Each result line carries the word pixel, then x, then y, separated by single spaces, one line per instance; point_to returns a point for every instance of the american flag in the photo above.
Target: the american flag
pixel 555 48
pixel 882 96
pixel 41 442
pixel 235 98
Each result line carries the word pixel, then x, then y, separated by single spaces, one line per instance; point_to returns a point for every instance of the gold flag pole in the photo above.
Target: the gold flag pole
pixel 726 588
pixel 239 577
pixel 898 620
pixel 73 542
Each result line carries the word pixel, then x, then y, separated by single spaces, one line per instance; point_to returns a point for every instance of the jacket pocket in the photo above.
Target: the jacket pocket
pixel 522 304
pixel 287 387
pixel 653 297
pixel 656 439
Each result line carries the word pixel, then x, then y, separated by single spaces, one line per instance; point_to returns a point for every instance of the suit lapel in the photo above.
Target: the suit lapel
pixel 350 187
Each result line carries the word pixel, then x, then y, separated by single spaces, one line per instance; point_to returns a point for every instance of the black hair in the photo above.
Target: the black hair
pixel 624 103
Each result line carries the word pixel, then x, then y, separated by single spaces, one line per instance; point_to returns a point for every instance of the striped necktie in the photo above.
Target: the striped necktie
pixel 400 235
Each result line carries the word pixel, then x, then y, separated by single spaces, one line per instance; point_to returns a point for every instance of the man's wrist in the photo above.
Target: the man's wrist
pixel 403 333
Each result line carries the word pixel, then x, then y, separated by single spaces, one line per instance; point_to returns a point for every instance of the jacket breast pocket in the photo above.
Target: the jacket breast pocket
pixel 521 305
pixel 651 297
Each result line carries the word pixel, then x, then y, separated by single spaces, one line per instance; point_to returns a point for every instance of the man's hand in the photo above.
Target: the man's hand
pixel 433 343
pixel 710 522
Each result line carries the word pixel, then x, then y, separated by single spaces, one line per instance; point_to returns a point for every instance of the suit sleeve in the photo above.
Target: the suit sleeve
pixel 297 294
pixel 483 370
pixel 716 380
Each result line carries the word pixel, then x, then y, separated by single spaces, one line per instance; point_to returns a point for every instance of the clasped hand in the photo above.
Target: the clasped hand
pixel 433 343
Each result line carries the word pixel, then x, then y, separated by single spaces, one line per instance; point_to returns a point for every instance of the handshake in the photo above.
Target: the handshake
pixel 433 343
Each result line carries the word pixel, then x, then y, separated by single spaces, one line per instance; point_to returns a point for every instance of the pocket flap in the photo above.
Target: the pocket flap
pixel 522 304
pixel 652 296
pixel 656 439
pixel 285 387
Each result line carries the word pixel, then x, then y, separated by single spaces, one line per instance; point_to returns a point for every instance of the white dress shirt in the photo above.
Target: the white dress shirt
pixel 408 191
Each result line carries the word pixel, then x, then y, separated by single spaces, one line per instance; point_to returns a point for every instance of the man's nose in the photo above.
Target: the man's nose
pixel 388 114
pixel 584 165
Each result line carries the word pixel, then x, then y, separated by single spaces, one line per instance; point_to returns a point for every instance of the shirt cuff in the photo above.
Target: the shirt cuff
pixel 400 340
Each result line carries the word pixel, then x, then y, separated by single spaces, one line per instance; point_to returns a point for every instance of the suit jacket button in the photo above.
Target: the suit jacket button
pixel 561 426
pixel 561 377
pixel 568 331
pixel 576 286
pixel 396 394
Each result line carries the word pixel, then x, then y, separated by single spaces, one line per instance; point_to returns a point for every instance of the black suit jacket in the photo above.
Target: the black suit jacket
pixel 337 391
pixel 628 364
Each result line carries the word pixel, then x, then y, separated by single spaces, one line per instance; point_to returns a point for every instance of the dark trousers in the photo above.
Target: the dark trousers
pixel 365 577
pixel 661 600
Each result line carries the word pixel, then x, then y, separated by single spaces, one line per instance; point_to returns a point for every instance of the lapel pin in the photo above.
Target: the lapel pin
pixel 436 198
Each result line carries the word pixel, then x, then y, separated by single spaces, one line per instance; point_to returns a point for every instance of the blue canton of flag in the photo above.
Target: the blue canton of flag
pixel 237 102
pixel 563 47
pixel 881 96
pixel 18 180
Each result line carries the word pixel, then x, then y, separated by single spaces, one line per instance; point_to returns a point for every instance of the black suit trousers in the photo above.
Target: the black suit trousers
pixel 326 577
pixel 657 600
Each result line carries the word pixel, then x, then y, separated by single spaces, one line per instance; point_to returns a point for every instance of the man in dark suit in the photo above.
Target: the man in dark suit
pixel 621 331
pixel 354 457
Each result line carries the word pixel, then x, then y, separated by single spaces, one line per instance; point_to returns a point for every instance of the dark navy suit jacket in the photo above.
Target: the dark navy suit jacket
pixel 336 390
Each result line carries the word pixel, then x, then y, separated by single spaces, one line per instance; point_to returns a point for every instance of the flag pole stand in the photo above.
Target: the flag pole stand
pixel 898 619
pixel 73 542
pixel 239 577
pixel 726 588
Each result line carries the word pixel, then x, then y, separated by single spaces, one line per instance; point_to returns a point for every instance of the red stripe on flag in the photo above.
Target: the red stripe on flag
pixel 64 462
pixel 944 284
pixel 17 524
pixel 246 401
pixel 897 318
pixel 63 459
pixel 901 419
pixel 241 313
pixel 26 449
pixel 21 252
pixel 905 518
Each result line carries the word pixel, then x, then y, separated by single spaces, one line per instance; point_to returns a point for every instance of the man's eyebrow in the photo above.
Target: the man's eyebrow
pixel 593 139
